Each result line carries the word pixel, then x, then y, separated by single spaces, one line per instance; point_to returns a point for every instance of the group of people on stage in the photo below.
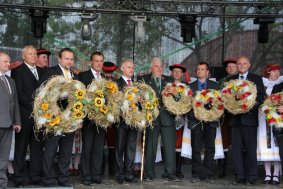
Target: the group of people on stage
pixel 251 136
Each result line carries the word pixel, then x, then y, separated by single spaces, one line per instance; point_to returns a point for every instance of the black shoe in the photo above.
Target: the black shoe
pixel 275 182
pixel 179 175
pixel 120 179
pixel 34 182
pixel 19 184
pixel 65 184
pixel 267 180
pixel 210 180
pixel 195 180
pixel 239 181
pixel 148 179
pixel 131 179
pixel 173 178
pixel 86 183
pixel 97 180
pixel 251 182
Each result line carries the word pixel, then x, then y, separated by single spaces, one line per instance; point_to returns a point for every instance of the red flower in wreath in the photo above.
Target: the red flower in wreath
pixel 272 120
pixel 198 104
pixel 221 107
pixel 190 93
pixel 266 111
pixel 275 97
pixel 244 84
pixel 244 107
pixel 204 92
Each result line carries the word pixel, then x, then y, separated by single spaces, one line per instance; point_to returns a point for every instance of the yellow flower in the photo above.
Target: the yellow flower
pixel 78 106
pixel 98 102
pixel 216 94
pixel 44 106
pixel 104 109
pixel 206 97
pixel 78 115
pixel 269 116
pixel 57 120
pixel 99 93
pixel 149 117
pixel 279 120
pixel 52 123
pixel 47 115
pixel 230 86
pixel 270 108
pixel 134 89
pixel 180 89
pixel 130 96
pixel 132 104
pixel 80 94
pixel 112 87
pixel 236 88
pixel 148 105
pixel 134 109
pixel 155 102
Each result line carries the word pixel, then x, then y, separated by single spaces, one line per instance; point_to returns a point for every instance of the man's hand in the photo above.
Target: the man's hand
pixel 171 90
pixel 17 128
pixel 280 109
pixel 80 125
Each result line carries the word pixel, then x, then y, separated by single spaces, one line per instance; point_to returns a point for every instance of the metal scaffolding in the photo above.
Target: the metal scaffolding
pixel 171 8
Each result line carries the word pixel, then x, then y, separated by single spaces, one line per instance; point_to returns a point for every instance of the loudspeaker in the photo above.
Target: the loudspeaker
pixel 262 34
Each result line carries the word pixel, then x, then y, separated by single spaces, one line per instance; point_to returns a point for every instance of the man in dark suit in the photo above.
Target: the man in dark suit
pixel 126 137
pixel 244 129
pixel 92 135
pixel 9 116
pixel 66 60
pixel 163 124
pixel 202 131
pixel 27 77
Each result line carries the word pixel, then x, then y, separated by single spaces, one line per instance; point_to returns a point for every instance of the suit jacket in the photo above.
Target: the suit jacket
pixel 192 121
pixel 278 132
pixel 86 78
pixel 55 71
pixel 167 119
pixel 250 118
pixel 26 85
pixel 9 107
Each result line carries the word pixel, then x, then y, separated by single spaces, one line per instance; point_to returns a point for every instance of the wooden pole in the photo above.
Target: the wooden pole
pixel 142 161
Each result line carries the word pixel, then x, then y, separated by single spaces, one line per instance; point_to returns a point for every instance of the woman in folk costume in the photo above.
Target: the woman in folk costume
pixel 267 148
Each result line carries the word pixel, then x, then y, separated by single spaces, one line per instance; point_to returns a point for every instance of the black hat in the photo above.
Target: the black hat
pixel 43 51
pixel 109 67
pixel 229 60
pixel 178 66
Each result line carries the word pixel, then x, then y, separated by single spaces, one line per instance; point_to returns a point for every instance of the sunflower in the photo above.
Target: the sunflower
pixel 99 93
pixel 79 94
pixel 104 109
pixel 57 120
pixel 112 87
pixel 78 106
pixel 155 102
pixel 52 123
pixel 98 102
pixel 130 96
pixel 149 117
pixel 78 115
pixel 135 90
pixel 44 106
pixel 148 105
pixel 47 115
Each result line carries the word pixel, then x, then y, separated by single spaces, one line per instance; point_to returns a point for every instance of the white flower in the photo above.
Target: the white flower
pixel 142 123
pixel 41 120
pixel 125 106
pixel 92 88
pixel 146 96
pixel 64 94
pixel 110 118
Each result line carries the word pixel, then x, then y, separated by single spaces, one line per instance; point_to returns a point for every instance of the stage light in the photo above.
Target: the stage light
pixel 86 27
pixel 187 27
pixel 38 22
pixel 263 32
pixel 139 29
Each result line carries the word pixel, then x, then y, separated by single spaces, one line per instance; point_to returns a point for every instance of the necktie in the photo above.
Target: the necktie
pixel 66 74
pixel 129 82
pixel 33 70
pixel 3 79
pixel 157 82
pixel 242 77
pixel 97 75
